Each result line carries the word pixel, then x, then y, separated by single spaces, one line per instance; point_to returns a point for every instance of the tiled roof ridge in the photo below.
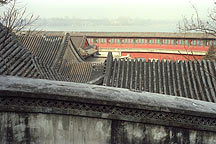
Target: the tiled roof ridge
pixel 76 51
pixel 58 62
pixel 83 41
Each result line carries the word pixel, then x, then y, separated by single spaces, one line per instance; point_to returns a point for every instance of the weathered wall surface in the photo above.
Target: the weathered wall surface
pixel 23 128
pixel 18 128
pixel 137 133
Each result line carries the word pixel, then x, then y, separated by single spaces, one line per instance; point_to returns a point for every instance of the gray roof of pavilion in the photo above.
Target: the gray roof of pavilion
pixel 60 52
pixel 44 59
pixel 190 79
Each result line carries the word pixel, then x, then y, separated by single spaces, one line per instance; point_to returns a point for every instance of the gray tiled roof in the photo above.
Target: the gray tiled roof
pixel 46 57
pixel 60 53
pixel 190 79
pixel 51 49
pixel 16 60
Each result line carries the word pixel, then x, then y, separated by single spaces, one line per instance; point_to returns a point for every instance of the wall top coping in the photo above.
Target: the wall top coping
pixel 87 93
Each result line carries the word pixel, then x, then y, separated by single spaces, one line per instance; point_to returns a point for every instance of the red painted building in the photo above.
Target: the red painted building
pixel 174 46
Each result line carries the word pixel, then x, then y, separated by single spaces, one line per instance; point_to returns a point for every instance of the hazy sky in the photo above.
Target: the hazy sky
pixel 147 9
pixel 163 15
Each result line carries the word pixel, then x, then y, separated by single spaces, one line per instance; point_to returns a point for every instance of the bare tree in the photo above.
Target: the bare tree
pixel 16 18
pixel 197 24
